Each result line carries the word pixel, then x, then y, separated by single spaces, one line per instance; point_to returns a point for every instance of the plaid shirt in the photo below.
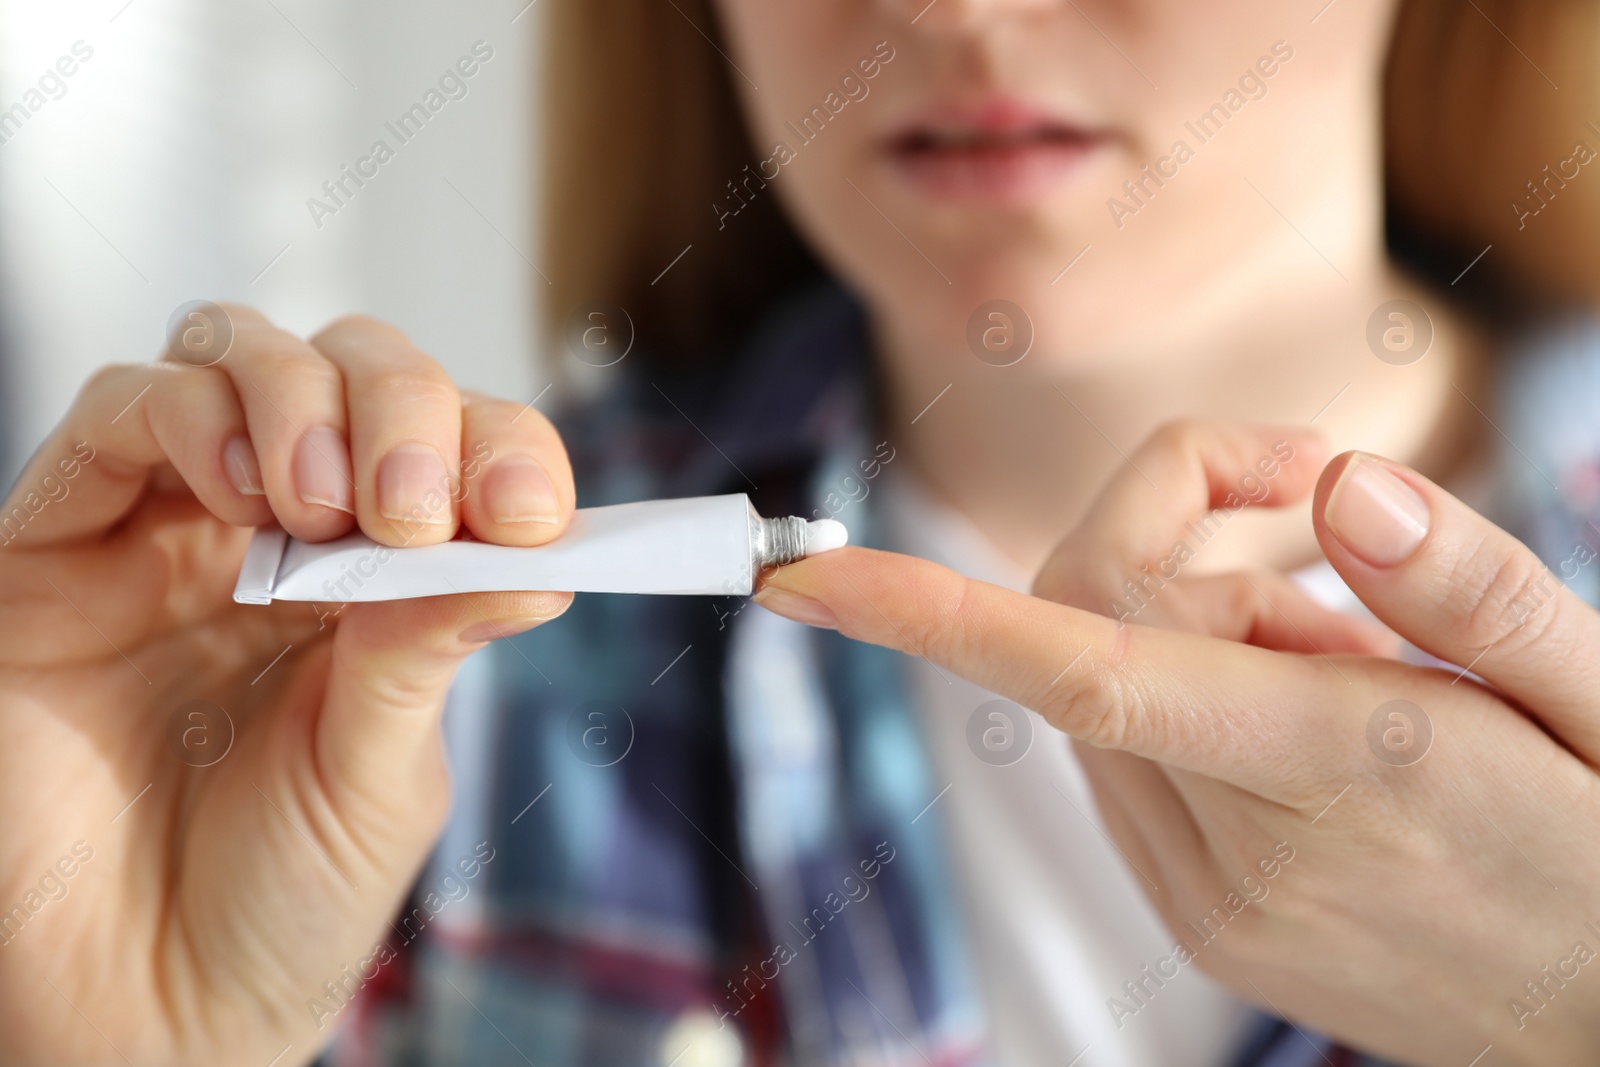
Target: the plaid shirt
pixel 677 843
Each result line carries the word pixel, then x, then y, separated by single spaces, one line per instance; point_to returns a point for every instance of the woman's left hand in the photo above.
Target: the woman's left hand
pixel 1399 856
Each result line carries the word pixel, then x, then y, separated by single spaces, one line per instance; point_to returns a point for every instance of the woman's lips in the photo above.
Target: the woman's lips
pixel 999 150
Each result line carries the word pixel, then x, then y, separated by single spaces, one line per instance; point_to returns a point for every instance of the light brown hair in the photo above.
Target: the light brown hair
pixel 1481 97
pixel 643 130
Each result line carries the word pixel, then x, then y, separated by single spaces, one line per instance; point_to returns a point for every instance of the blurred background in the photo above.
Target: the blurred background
pixel 177 161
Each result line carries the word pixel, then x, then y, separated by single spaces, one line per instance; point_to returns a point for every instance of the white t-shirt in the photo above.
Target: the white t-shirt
pixel 1057 919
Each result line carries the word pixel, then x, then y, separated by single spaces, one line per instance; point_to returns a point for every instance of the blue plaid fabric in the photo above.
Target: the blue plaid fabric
pixel 680 841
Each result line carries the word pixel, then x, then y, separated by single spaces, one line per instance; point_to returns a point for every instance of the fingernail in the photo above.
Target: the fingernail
pixel 517 489
pixel 322 469
pixel 1376 515
pixel 797 607
pixel 407 477
pixel 239 464
pixel 483 632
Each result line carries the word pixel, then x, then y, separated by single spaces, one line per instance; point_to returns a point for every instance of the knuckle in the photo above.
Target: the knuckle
pixel 1502 595
pixel 195 396
pixel 253 331
pixel 498 413
pixel 1096 705
pixel 110 376
pixel 1252 593
pixel 1175 457
pixel 358 329
pixel 1097 570
pixel 1092 709
pixel 426 385
pixel 242 314
pixel 241 319
pixel 402 689
pixel 377 346
pixel 280 358
pixel 265 344
pixel 942 624
pixel 1064 580
pixel 1179 436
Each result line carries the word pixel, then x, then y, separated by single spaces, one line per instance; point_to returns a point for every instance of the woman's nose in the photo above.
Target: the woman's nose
pixel 958 15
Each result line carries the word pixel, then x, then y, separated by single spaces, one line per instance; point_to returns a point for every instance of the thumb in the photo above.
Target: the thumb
pixel 377 738
pixel 1460 588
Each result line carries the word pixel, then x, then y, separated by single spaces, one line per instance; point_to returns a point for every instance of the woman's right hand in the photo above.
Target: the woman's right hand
pixel 155 911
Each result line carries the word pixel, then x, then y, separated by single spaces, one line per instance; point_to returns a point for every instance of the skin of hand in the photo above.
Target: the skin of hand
pixel 172 913
pixel 1438 893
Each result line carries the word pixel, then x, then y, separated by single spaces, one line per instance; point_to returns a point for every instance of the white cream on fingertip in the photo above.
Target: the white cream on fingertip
pixel 825 535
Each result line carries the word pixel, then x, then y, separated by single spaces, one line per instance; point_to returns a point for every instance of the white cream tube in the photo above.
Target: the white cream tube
pixel 710 545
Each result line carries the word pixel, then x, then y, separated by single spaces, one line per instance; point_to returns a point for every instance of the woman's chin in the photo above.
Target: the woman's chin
pixel 980 335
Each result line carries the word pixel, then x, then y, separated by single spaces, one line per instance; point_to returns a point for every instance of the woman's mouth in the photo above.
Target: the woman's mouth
pixel 998 150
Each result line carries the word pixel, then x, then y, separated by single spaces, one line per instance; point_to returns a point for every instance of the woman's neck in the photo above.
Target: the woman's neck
pixel 1022 451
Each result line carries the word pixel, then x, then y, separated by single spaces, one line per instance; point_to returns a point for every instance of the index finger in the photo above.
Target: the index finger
pixel 126 422
pixel 1261 720
pixel 1179 489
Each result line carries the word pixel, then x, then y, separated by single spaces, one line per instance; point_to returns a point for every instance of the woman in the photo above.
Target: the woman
pixel 700 833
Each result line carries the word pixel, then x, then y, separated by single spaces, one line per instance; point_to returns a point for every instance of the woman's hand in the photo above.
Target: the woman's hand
pixel 212 810
pixel 1416 878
